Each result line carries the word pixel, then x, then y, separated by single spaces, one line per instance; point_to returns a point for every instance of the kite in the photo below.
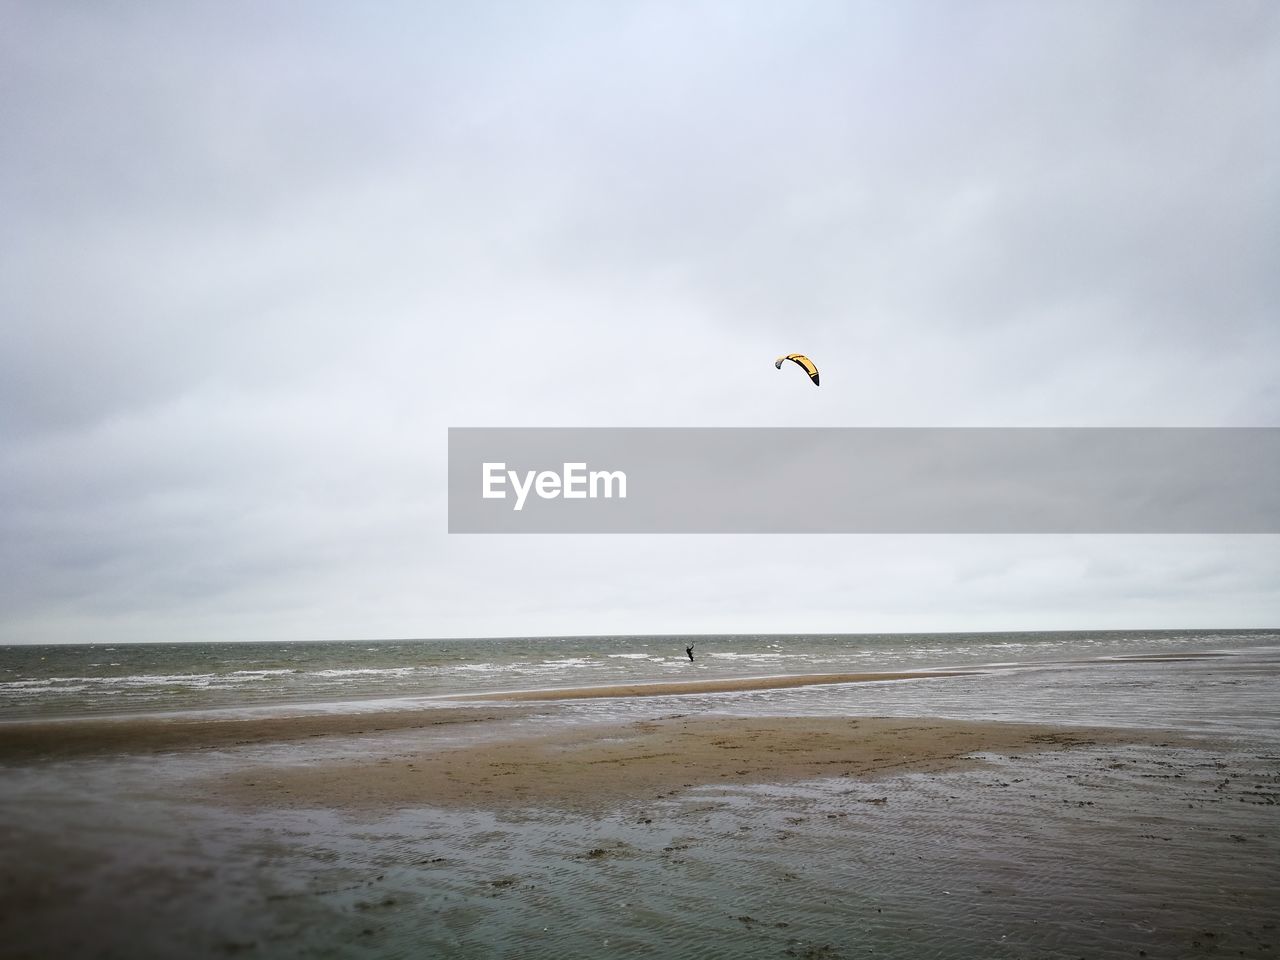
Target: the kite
pixel 801 360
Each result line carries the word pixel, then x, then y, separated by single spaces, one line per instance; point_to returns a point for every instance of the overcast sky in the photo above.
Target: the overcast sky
pixel 256 258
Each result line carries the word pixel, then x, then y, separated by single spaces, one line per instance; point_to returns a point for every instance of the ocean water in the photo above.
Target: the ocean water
pixel 115 679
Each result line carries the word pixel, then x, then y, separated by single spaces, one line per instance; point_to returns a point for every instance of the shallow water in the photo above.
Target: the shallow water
pixel 90 680
pixel 1228 695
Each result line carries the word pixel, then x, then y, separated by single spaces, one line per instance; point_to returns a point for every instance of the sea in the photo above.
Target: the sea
pixel 112 679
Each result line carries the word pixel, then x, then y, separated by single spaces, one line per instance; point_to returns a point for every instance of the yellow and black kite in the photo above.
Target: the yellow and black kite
pixel 803 361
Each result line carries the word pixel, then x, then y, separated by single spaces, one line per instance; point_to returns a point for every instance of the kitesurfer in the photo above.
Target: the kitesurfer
pixel 689 651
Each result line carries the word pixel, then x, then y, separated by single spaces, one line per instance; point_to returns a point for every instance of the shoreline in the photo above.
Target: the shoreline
pixel 27 740
pixel 672 688
pixel 37 739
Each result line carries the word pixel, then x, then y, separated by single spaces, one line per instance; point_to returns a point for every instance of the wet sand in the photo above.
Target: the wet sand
pixel 735 684
pixel 49 739
pixel 22 741
pixel 600 766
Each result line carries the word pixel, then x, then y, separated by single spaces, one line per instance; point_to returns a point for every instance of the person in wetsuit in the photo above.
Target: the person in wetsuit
pixel 689 651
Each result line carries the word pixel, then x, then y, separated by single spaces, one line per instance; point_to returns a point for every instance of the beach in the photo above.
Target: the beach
pixel 1099 808
pixel 650 760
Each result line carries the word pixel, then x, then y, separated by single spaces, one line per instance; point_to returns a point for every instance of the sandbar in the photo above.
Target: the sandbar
pixel 23 740
pixel 728 685
pixel 58 739
pixel 596 766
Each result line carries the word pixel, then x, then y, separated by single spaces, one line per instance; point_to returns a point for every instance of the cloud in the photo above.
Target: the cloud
pixel 255 263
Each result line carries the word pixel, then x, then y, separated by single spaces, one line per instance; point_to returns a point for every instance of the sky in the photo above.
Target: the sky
pixel 257 258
